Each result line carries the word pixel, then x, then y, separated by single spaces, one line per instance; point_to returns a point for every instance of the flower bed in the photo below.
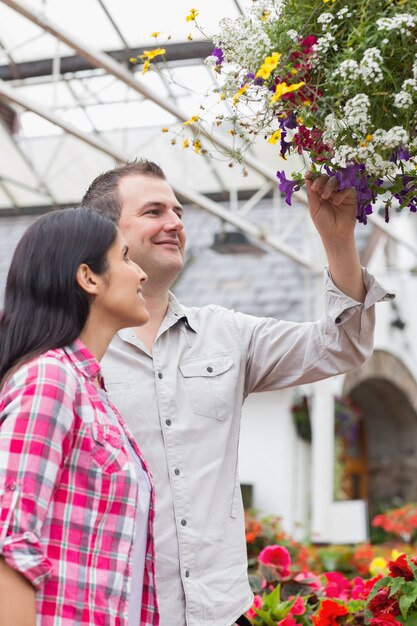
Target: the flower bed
pixel 302 585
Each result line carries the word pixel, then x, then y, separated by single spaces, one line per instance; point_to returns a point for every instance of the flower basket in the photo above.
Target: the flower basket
pixel 334 81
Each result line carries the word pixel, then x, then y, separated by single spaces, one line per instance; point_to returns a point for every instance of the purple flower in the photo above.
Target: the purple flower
pixel 354 175
pixel 289 121
pixel 408 194
pixel 400 154
pixel 218 53
pixel 287 186
pixel 285 145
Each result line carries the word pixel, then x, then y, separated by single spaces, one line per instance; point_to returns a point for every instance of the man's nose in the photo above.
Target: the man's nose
pixel 173 222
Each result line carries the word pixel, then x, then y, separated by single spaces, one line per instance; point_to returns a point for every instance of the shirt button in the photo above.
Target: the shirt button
pixel 209 369
pixel 183 522
pixel 177 472
pixel 159 375
pixel 168 422
pixel 187 573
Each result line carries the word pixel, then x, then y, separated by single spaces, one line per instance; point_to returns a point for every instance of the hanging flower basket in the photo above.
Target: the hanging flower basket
pixel 332 80
pixel 301 417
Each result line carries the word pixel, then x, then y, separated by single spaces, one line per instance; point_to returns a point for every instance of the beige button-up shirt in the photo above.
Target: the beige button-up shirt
pixel 183 403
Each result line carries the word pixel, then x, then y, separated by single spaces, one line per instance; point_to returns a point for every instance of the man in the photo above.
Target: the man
pixel 181 379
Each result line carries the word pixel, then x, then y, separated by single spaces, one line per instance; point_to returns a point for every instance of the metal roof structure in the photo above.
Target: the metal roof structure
pixel 72 105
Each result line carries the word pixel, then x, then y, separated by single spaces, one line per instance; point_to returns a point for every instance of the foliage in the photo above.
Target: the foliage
pixel 334 81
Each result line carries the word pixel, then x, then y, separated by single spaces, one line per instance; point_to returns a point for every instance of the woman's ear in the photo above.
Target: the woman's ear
pixel 88 280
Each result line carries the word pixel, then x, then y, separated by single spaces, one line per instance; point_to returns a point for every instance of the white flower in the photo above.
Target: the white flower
pixel 325 19
pixel 293 35
pixel 403 23
pixel 349 70
pixel 370 65
pixel 403 100
pixel 356 113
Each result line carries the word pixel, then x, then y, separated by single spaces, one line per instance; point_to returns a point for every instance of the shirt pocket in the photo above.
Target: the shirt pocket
pixel 208 383
pixel 107 449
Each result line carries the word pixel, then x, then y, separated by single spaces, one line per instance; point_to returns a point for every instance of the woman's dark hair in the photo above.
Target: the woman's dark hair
pixel 44 306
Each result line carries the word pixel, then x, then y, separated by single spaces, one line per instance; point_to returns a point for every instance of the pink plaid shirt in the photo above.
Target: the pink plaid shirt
pixel 68 494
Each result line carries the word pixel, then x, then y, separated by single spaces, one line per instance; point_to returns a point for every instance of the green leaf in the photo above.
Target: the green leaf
pixel 396 585
pixel 409 596
pixel 273 599
pixel 412 619
pixel 268 621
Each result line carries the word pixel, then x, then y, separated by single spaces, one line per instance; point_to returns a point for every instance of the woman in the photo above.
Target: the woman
pixel 76 501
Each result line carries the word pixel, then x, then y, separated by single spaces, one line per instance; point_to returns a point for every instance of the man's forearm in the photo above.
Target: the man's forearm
pixel 17 598
pixel 345 268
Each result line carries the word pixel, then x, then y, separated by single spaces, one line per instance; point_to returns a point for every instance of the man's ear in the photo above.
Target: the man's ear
pixel 88 280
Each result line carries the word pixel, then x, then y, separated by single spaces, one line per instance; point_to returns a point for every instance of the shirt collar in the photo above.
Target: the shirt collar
pixel 82 359
pixel 177 311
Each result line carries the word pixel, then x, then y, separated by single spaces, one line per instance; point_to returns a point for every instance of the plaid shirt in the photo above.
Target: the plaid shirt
pixel 68 494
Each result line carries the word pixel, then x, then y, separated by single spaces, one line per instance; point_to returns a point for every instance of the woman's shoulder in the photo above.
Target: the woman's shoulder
pixel 52 367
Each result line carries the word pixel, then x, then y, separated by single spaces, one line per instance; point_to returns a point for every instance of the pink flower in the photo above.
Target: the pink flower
pixel 298 608
pixel 257 603
pixel 277 558
pixel 337 585
pixel 309 578
pixel 287 621
pixel 359 591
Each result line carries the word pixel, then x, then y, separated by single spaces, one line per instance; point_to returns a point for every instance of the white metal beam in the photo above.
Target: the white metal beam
pixel 12 95
pixel 102 60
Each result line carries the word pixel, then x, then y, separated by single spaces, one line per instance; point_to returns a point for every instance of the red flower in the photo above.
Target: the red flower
pixel 384 620
pixel 400 567
pixel 278 558
pixel 328 613
pixel 382 603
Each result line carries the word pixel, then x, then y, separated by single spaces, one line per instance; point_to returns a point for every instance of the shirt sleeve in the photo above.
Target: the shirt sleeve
pixel 283 354
pixel 36 426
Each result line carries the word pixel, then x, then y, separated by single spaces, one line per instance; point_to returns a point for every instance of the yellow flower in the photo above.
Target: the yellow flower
pixel 164 129
pixel 294 71
pixel 197 145
pixel 395 554
pixel 133 59
pixel 192 15
pixel 368 138
pixel 148 55
pixel 222 96
pixel 276 136
pixel 185 144
pixel 192 120
pixel 326 1
pixel 378 566
pixel 239 93
pixel 189 37
pixel 265 15
pixel 151 54
pixel 155 33
pixel 282 88
pixel 299 120
pixel 268 66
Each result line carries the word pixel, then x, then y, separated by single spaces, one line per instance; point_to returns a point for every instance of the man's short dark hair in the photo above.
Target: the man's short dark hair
pixel 103 193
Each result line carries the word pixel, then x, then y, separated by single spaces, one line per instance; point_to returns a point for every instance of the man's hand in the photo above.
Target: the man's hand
pixel 334 215
pixel 333 212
